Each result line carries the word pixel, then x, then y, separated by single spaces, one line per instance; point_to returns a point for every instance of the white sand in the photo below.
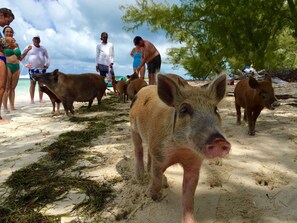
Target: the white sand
pixel 257 182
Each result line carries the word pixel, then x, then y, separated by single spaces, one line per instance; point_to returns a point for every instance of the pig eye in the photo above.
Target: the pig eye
pixel 262 95
pixel 185 109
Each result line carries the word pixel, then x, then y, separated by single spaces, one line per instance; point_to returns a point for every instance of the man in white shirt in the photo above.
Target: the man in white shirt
pixel 105 59
pixel 37 62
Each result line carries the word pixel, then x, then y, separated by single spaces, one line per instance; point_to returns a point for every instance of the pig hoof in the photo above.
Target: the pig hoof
pixel 156 196
pixel 251 133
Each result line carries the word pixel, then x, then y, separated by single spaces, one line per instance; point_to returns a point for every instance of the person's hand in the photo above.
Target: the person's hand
pixel 29 66
pixel 45 67
pixel 110 65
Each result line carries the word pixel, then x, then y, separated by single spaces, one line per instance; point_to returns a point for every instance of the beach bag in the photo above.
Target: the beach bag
pixel 109 75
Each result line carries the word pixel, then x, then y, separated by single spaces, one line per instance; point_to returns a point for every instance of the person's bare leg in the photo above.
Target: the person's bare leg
pixel 32 90
pixel 40 93
pixel 3 78
pixel 152 79
pixel 142 72
pixel 7 91
pixel 14 83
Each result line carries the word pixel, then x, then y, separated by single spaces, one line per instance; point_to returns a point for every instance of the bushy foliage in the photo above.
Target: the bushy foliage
pixel 217 33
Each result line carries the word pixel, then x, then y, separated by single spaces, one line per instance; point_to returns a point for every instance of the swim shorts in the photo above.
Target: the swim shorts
pixel 36 71
pixel 154 65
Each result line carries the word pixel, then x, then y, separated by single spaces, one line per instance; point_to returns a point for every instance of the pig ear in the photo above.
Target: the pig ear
pixel 253 83
pixel 56 72
pixel 218 87
pixel 167 90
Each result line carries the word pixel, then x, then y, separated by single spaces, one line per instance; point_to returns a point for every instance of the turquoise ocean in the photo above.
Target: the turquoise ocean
pixel 22 95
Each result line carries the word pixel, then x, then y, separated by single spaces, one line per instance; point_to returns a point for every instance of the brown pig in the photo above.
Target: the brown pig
pixel 73 87
pixel 134 85
pixel 180 124
pixel 253 96
pixel 54 99
pixel 122 90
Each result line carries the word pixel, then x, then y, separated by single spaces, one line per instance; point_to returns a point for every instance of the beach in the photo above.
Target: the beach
pixel 256 182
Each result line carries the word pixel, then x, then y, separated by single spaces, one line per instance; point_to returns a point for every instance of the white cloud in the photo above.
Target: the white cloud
pixel 70 30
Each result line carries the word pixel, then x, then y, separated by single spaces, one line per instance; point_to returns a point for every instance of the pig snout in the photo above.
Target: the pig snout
pixel 217 146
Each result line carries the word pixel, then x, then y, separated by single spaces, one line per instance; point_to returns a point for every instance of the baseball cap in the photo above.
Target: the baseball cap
pixel 36 36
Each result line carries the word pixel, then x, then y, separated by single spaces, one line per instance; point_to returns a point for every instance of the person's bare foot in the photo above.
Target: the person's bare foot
pixel 6 111
pixel 4 121
pixel 32 102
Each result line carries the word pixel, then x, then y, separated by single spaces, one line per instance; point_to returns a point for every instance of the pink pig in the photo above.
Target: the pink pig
pixel 180 124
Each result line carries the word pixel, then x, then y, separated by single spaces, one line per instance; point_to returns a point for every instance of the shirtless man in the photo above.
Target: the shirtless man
pixel 150 56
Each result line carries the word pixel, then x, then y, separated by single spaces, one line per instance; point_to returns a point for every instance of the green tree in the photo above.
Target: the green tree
pixel 214 33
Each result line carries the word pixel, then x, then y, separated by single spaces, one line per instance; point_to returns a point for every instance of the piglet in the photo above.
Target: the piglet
pixel 54 99
pixel 134 85
pixel 180 124
pixel 253 96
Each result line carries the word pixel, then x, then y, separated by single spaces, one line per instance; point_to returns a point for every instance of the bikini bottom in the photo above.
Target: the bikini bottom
pixel 13 67
pixel 3 59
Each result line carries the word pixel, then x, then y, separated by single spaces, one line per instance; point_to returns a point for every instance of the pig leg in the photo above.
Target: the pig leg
pixel 99 97
pixel 149 162
pixel 90 104
pixel 190 181
pixel 58 108
pixel 238 113
pixel 54 106
pixel 251 122
pixel 255 115
pixel 65 108
pixel 70 107
pixel 244 116
pixel 156 180
pixel 138 149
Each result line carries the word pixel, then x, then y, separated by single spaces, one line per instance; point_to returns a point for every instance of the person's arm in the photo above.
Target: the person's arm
pixel 111 56
pixel 25 52
pixel 47 59
pixel 23 61
pixel 132 52
pixel 97 57
pixel 143 60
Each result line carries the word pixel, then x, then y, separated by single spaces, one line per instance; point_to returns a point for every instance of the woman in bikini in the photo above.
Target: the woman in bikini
pixel 6 17
pixel 13 70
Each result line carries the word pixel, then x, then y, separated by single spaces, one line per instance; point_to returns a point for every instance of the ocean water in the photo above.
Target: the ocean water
pixel 22 94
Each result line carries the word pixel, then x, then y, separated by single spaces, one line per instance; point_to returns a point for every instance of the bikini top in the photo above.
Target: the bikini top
pixel 10 52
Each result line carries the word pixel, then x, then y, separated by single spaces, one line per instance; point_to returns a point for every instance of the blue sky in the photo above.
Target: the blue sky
pixel 70 30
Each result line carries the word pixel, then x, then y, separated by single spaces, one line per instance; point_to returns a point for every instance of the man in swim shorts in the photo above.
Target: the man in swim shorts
pixel 38 62
pixel 151 57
